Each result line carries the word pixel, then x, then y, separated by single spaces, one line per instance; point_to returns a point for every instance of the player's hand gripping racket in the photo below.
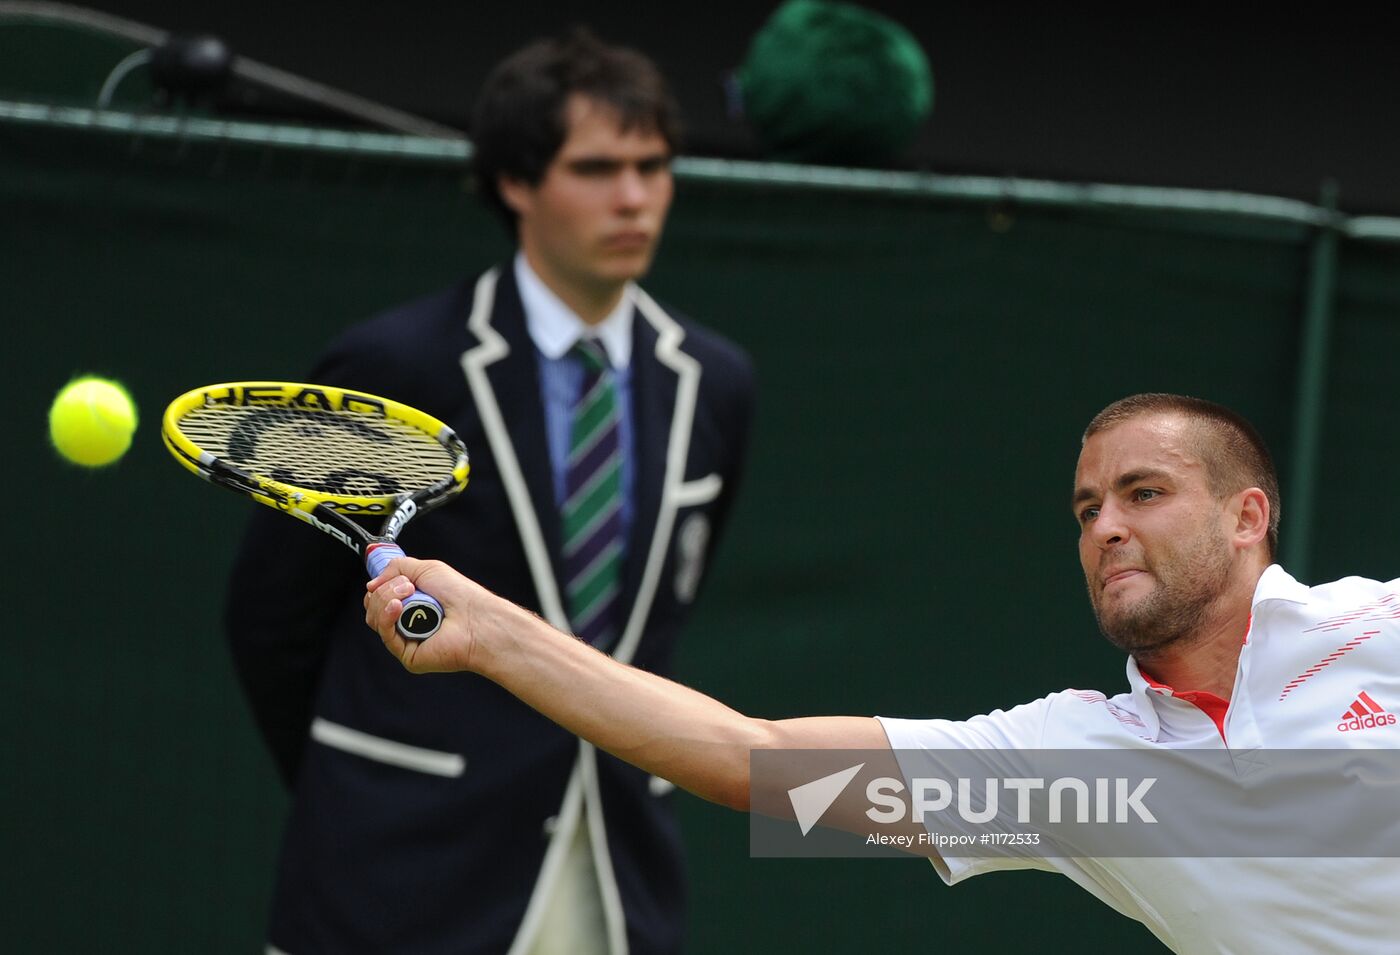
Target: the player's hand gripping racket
pixel 323 455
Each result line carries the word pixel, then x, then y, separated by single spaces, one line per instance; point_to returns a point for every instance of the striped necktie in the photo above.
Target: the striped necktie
pixel 592 513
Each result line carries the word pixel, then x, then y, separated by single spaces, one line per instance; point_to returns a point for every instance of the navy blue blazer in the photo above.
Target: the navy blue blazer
pixel 424 806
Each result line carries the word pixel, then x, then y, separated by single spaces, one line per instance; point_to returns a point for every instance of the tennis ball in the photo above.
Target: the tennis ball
pixel 91 421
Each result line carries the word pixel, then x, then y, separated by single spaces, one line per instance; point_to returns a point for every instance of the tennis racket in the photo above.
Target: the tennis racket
pixel 325 455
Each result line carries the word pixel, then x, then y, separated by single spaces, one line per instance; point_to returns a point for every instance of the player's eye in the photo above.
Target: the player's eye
pixel 1145 494
pixel 1088 514
pixel 650 167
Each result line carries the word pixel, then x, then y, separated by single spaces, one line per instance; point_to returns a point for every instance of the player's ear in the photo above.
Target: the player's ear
pixel 1250 509
pixel 517 194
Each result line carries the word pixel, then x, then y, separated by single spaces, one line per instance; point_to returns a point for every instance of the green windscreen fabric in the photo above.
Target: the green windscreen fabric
pixel 903 545
pixel 1355 524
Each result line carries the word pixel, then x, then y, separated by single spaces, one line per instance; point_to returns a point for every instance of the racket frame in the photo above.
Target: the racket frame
pixel 332 514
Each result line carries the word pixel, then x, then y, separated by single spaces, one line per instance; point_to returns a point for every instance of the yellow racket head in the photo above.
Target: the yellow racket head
pixel 292 446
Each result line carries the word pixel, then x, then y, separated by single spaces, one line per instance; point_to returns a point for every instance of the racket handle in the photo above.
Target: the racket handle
pixel 421 615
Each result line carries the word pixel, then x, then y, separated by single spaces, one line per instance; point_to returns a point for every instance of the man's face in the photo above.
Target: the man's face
pixel 1152 538
pixel 595 218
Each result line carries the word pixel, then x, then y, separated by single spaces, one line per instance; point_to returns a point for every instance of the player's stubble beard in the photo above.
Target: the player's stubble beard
pixel 1189 581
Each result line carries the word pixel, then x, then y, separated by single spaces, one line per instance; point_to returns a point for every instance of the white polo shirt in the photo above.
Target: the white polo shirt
pixel 1320 669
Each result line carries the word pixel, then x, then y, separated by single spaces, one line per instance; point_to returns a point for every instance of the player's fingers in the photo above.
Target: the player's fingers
pixel 407 567
pixel 377 606
pixel 388 586
pixel 382 611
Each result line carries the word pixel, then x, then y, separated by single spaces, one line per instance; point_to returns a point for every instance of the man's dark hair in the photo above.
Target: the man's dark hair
pixel 520 118
pixel 1235 455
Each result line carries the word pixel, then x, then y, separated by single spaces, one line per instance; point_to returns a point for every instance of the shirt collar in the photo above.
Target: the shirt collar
pixel 1277 584
pixel 1144 695
pixel 555 328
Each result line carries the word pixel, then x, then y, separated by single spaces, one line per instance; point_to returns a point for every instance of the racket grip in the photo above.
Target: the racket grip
pixel 422 614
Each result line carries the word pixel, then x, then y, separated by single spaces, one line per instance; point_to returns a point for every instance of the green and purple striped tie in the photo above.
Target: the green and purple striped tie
pixel 592 513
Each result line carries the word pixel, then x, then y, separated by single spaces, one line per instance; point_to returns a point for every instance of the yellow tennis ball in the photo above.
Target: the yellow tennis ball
pixel 91 421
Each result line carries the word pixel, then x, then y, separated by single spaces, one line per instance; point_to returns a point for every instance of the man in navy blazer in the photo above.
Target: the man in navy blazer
pixel 444 815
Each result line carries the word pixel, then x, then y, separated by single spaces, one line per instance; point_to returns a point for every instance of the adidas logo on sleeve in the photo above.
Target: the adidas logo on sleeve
pixel 1364 714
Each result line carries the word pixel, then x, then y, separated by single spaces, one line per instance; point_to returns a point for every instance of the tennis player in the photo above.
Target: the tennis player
pixel 1177 504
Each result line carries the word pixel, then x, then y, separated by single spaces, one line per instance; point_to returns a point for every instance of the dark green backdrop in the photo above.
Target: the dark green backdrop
pixel 903 546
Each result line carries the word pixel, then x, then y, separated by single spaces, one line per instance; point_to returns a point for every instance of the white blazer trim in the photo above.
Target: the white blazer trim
pixel 381 750
pixel 613 914
pixel 475 361
pixel 700 491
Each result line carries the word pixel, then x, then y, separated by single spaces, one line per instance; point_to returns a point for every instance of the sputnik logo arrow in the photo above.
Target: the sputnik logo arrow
pixel 810 801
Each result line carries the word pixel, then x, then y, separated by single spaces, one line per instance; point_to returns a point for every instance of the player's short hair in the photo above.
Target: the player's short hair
pixel 520 119
pixel 1235 455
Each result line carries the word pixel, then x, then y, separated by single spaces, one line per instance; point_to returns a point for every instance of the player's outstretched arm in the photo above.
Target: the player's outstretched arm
pixel 656 724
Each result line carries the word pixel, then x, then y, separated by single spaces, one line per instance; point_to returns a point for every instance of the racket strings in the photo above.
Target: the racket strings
pixel 330 452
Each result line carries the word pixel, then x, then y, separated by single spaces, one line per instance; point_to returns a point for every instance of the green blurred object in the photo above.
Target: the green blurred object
pixel 828 82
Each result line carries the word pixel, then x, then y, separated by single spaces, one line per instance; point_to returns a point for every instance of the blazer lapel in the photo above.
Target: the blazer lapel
pixel 665 383
pixel 503 376
pixel 653 405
